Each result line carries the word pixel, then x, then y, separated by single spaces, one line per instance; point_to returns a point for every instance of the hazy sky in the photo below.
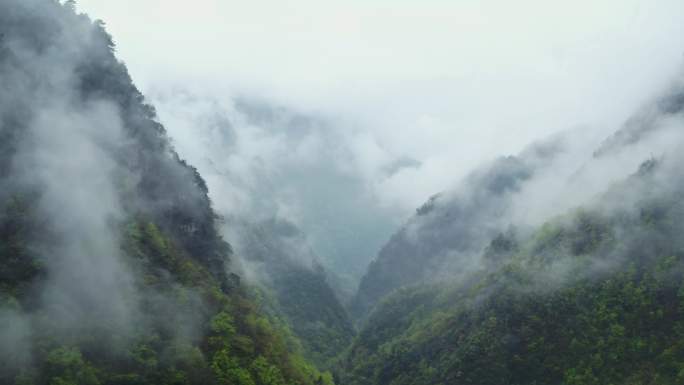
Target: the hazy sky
pixel 445 83
pixel 430 77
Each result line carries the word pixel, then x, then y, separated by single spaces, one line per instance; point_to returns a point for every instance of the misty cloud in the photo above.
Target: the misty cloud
pixel 83 158
pixel 266 162
pixel 346 134
pixel 81 252
pixel 449 238
pixel 62 150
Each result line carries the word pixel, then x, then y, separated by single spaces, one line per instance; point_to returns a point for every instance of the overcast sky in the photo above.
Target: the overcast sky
pixel 491 73
pixel 447 84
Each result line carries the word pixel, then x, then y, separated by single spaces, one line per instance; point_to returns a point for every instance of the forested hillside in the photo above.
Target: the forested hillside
pixel 562 264
pixel 277 257
pixel 111 267
pixel 448 234
pixel 441 238
pixel 591 296
pixel 444 231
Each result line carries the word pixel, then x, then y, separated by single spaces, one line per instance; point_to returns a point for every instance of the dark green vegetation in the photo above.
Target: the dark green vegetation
pixel 460 222
pixel 465 295
pixel 278 255
pixel 112 270
pixel 111 267
pixel 191 332
pixel 592 297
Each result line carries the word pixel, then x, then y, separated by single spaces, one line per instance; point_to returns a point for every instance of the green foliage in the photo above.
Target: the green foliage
pixel 18 267
pixel 309 310
pixel 65 366
pixel 183 318
pixel 266 373
pixel 298 298
pixel 227 369
pixel 238 344
pixel 588 299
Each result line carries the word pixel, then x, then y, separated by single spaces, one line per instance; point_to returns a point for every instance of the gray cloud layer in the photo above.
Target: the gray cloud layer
pixel 388 103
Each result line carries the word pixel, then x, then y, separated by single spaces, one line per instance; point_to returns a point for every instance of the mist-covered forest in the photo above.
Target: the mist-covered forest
pixel 191 236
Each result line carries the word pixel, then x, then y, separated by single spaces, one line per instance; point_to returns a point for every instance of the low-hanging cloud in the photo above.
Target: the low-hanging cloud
pixel 62 153
pixel 263 161
pixel 83 160
pixel 387 104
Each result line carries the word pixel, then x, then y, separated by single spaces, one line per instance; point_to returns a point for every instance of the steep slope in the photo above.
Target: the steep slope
pixel 449 233
pixel 592 297
pixel 111 270
pixel 275 254
pixel 649 121
pixel 448 230
pixel 262 159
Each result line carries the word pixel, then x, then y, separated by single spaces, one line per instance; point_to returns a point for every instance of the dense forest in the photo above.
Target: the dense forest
pixel 536 268
pixel 463 294
pixel 591 297
pixel 276 255
pixel 112 271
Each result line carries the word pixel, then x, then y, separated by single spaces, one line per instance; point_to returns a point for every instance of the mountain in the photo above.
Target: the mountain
pixel 260 170
pixel 440 239
pixel 275 254
pixel 592 295
pixel 111 267
pixel 448 233
pixel 263 159
pixel 646 122
pixel 563 264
